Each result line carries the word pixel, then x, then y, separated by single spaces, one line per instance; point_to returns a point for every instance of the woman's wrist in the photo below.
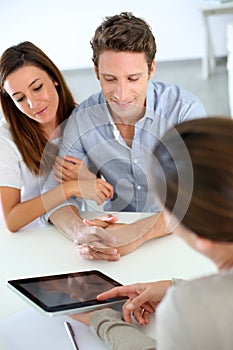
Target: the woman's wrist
pixel 70 188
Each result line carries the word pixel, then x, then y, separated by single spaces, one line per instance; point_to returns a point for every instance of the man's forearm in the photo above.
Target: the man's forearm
pixel 156 225
pixel 131 236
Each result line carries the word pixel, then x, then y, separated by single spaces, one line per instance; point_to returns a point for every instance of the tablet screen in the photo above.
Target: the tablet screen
pixel 66 292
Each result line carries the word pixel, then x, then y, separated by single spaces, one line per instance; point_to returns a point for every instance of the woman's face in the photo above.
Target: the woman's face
pixel 34 94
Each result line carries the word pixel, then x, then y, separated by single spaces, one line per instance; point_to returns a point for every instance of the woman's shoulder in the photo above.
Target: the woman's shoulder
pixel 202 291
pixel 6 140
pixel 4 130
pixel 198 313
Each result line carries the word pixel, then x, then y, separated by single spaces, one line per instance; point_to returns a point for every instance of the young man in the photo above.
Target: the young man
pixel 115 131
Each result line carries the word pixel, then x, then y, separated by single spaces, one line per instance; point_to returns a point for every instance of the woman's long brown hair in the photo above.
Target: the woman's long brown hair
pixel 26 132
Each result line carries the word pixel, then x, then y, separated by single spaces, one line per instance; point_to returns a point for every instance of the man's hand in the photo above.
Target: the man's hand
pixel 102 221
pixel 143 299
pixel 98 251
pixel 95 243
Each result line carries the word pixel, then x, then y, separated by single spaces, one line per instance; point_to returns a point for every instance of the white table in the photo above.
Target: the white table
pixel 207 9
pixel 43 250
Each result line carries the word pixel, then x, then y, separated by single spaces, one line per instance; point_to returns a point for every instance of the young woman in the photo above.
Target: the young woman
pixel 36 102
pixel 197 314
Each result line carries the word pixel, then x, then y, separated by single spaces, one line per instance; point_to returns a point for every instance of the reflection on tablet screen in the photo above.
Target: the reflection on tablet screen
pixel 66 292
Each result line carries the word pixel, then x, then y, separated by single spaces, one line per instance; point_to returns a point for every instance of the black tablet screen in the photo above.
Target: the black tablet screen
pixel 58 292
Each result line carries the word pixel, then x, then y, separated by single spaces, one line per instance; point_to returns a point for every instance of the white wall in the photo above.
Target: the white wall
pixel 63 28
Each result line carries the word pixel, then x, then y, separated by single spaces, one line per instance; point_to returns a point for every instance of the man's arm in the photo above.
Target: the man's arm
pixel 193 111
pixel 130 236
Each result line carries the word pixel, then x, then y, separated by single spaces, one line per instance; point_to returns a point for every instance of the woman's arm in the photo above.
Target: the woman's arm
pixel 143 299
pixel 117 334
pixel 17 214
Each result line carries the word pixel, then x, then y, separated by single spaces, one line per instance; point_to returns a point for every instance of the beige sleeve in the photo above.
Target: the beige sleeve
pixel 117 334
pixel 178 281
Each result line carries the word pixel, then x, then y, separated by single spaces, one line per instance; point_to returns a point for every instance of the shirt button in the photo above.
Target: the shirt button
pixel 139 187
pixel 135 161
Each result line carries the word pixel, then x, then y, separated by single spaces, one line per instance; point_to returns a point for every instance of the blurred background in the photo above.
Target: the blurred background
pixel 63 29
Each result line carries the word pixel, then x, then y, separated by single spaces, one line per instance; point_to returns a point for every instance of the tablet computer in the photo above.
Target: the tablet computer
pixel 66 293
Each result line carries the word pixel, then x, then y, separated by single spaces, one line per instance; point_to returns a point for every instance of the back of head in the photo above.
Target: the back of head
pixel 209 142
pixel 124 32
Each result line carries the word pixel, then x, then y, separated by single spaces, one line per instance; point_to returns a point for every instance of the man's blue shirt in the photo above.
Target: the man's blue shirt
pixel 91 135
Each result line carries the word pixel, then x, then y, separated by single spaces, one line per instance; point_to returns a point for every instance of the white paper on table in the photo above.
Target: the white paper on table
pixel 29 329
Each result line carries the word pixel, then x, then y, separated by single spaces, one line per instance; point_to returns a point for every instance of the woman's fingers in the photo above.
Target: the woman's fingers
pixel 71 168
pixel 106 253
pixel 67 168
pixel 73 160
pixel 104 188
pixel 95 190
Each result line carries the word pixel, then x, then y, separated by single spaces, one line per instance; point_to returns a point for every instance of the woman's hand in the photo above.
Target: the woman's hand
pixel 97 190
pixel 71 168
pixel 82 182
pixel 91 253
pixel 143 299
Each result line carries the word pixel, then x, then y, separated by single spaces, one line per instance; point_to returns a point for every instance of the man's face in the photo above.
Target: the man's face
pixel 124 78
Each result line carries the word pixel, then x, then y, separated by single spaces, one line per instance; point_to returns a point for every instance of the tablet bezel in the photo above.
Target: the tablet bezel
pixel 75 307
